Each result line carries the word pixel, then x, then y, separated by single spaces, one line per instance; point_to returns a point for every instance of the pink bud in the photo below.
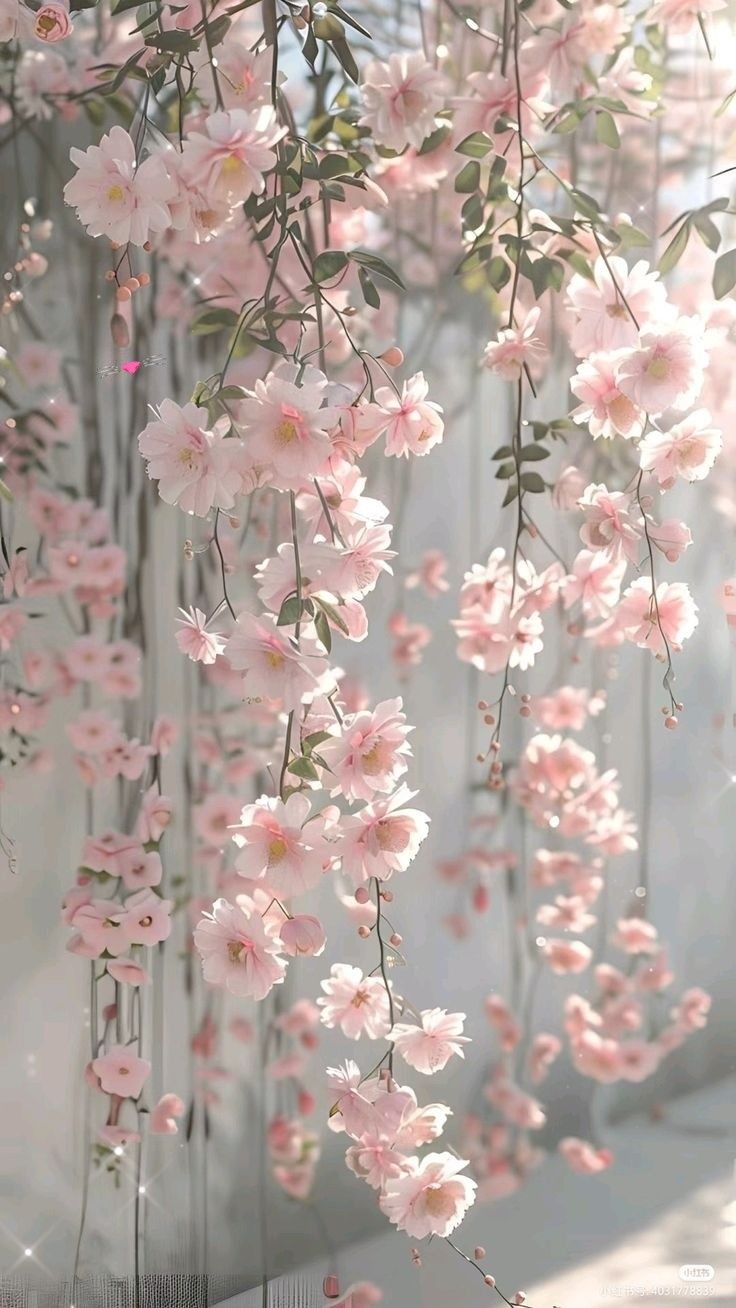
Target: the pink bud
pixel 393 356
pixel 52 23
pixel 361 895
pixel 490 1280
pixel 331 1287
pixel 303 935
pixel 479 1253
pixel 305 1102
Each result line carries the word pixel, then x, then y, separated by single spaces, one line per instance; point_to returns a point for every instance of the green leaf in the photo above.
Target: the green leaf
pixel 322 628
pixel 377 266
pixel 505 470
pixel 468 179
pixel 498 272
pixel 214 320
pixel 314 739
pixel 333 614
pixel 329 264
pixel 511 494
pixel 290 612
pixel 675 249
pixel 606 131
pixel 531 481
pixel 724 274
pixel 584 203
pixel 172 42
pixel 533 453
pixel 707 231
pixel 477 145
pixel 345 58
pixel 368 287
pixel 303 767
pixel 503 452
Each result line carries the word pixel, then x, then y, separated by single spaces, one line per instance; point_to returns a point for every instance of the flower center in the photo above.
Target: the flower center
pixel 376 759
pixel 658 369
pixel 286 432
pixel 437 1202
pixel 276 851
pixel 115 192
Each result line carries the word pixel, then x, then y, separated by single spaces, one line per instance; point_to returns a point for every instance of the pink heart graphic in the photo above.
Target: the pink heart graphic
pixel 131 367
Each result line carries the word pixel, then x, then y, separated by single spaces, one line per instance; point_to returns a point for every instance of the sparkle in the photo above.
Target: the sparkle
pixel 554 821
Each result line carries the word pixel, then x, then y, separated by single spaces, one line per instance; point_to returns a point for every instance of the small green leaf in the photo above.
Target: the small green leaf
pixel 675 249
pixel 533 453
pixel 531 481
pixel 368 287
pixel 304 768
pixel 329 264
pixel 724 274
pixel 377 266
pixel 290 612
pixel 505 470
pixel 322 628
pixel 503 452
pixel 468 179
pixel 511 494
pixel 606 131
pixel 477 145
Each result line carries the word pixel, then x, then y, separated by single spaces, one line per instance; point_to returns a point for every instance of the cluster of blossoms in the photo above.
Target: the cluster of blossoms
pixel 266 221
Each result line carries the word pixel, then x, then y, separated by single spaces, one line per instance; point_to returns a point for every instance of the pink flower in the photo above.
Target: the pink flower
pixel 679 16
pixel 673 618
pixel 147 918
pixel 639 1059
pixel 52 23
pixel 128 973
pixel 370 753
pixel 688 450
pixel 286 424
pixel 595 582
pixel 121 1072
pixel 12 622
pixel 237 952
pixel 382 838
pixel 357 1004
pixel 303 934
pixel 194 639
pixel 666 369
pixel 401 98
pixel 567 956
pixel 279 843
pixel 414 424
pixel 155 815
pixel 583 1157
pixel 692 1011
pixel 605 410
pixel 162 1119
pixel 274 668
pixel 432 1199
pixel 515 348
pixel 635 936
pixel 93 731
pixel 114 195
pixel 613 523
pixel 194 467
pixel 595 1056
pixel 429 1047
pixel 604 307
pixel 100 927
pixel 227 162
pixel 544 1050
pixel 430 574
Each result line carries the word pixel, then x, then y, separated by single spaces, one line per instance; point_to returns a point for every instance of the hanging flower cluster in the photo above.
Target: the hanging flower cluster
pixel 253 211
